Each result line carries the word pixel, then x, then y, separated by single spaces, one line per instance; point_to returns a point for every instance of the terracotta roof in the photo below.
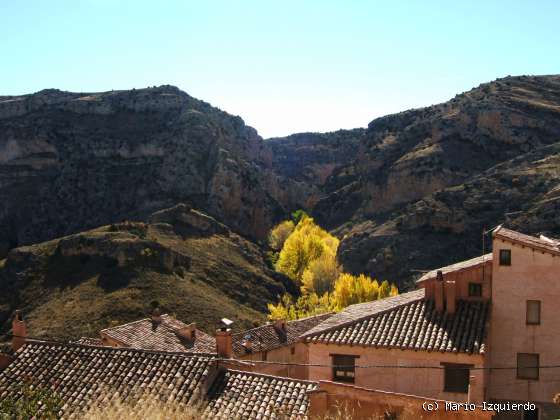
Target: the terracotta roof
pixel 360 311
pixel 164 336
pixel 473 262
pixel 542 243
pixel 268 337
pixel 236 394
pixel 90 341
pixel 408 322
pixel 83 375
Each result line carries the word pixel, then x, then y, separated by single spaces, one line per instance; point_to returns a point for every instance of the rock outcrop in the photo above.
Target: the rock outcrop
pixel 427 181
pixel 410 192
pixel 184 260
pixel 71 161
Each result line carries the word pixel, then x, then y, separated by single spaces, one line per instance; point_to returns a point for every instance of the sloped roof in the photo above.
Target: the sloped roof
pixel 543 244
pixel 83 375
pixel 360 311
pixel 473 262
pixel 410 322
pixel 163 336
pixel 267 337
pixel 236 394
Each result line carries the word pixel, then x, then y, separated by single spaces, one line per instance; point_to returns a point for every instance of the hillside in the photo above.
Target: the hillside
pixel 412 191
pixel 74 161
pixel 427 181
pixel 186 261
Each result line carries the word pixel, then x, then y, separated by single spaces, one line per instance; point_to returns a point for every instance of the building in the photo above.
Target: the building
pixel 525 321
pixel 159 332
pixel 485 329
pixel 84 376
pixel 278 341
pixel 407 343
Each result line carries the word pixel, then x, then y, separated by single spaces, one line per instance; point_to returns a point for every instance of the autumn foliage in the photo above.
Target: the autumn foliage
pixel 308 257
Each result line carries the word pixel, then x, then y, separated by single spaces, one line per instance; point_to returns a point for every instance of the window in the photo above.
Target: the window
pixel 528 366
pixel 531 414
pixel 456 378
pixel 533 312
pixel 505 256
pixel 293 350
pixel 344 368
pixel 263 355
pixel 475 289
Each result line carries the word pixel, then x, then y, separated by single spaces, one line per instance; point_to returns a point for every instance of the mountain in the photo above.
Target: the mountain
pixel 427 181
pixel 182 259
pixel 412 191
pixel 74 161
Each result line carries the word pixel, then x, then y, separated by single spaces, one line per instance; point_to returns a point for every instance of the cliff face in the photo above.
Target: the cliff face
pixel 426 181
pixel 72 161
pixel 412 191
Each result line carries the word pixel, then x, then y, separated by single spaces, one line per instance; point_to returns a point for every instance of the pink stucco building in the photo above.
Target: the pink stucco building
pixel 482 330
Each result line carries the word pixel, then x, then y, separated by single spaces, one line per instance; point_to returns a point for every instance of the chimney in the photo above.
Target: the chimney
pixel 19 331
pixel 189 332
pixel 439 292
pixel 224 346
pixel 280 325
pixel 450 294
pixel 156 318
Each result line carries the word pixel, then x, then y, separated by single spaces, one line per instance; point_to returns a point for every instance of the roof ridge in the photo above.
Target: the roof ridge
pixel 531 241
pixel 185 354
pixel 311 333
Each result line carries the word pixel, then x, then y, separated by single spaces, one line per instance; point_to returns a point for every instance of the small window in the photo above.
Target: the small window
pixel 533 312
pixel 264 355
pixel 505 256
pixel 344 368
pixel 456 378
pixel 528 366
pixel 475 289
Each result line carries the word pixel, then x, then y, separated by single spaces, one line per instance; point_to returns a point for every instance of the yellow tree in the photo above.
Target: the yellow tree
pixel 280 233
pixel 384 289
pixel 305 244
pixel 319 277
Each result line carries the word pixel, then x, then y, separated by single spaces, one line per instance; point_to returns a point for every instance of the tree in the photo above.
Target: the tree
pixel 305 244
pixel 350 289
pixel 280 233
pixel 319 277
pixel 299 215
pixel 384 289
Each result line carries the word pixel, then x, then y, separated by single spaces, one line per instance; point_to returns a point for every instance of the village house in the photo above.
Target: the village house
pixel 279 342
pixel 478 331
pixel 481 330
pixel 88 375
pixel 84 376
pixel 159 332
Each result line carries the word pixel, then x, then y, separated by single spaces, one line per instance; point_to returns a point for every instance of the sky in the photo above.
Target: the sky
pixel 283 66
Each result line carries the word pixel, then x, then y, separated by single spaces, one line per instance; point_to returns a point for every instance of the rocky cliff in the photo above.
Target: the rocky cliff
pixel 426 181
pixel 73 161
pixel 410 192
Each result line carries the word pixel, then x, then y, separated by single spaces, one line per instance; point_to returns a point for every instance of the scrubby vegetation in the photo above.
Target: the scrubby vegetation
pixel 32 402
pixel 306 253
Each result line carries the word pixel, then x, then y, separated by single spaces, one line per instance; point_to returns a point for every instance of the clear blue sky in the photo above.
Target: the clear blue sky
pixel 283 66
